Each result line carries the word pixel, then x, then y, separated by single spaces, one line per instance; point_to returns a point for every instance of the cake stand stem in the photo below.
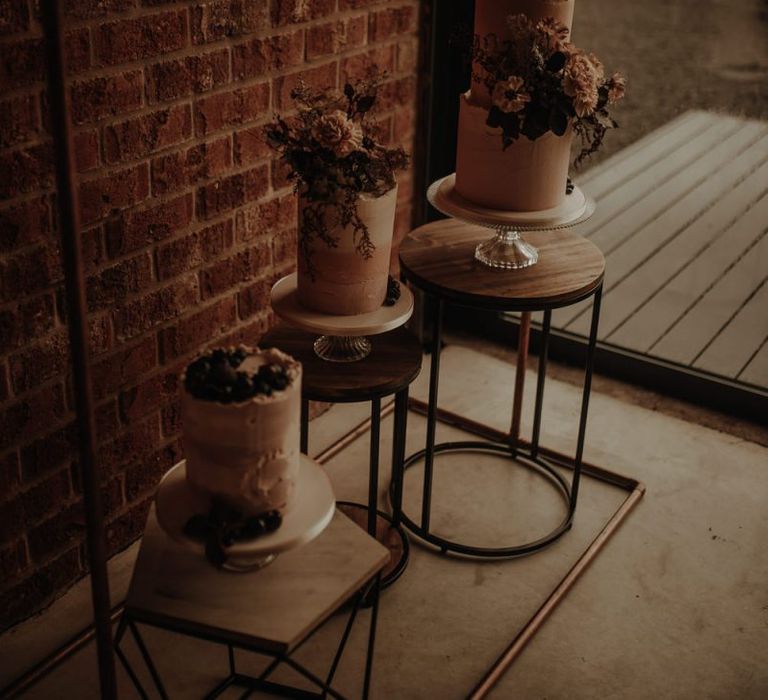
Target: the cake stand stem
pixel 342 348
pixel 507 251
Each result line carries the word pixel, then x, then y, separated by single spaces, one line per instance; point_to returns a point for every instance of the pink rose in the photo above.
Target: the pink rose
pixel 616 87
pixel 581 80
pixel 338 132
pixel 508 96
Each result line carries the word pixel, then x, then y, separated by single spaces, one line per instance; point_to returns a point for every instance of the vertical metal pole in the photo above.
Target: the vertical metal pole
pixel 542 375
pixel 304 437
pixel 372 637
pixel 585 397
pixel 398 453
pixel 373 476
pixel 436 306
pixel 69 223
pixel 524 337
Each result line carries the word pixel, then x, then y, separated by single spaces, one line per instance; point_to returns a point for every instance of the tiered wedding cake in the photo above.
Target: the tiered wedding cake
pixel 527 175
pixel 240 412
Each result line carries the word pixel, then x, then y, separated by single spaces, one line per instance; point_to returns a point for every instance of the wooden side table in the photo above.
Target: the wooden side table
pixel 393 364
pixel 439 260
pixel 272 611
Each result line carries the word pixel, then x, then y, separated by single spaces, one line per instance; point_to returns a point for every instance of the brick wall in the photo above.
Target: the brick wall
pixel 186 223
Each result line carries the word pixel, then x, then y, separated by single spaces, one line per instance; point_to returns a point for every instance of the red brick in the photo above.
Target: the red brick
pixel 107 423
pixel 280 174
pixel 124 367
pixel 106 96
pixel 170 419
pixel 253 299
pixel 186 76
pixel 231 108
pixel 390 22
pixel 31 271
pixel 230 192
pixel 21 63
pixel 321 77
pixel 284 247
pixel 51 452
pixel 64 530
pixel 119 189
pixel 14 17
pixel 137 137
pixel 130 230
pixel 29 320
pixel 264 219
pixel 112 285
pixel 4 390
pixel 10 474
pixel 294 11
pixel 24 223
pixel 133 445
pixel 34 504
pixel 34 592
pixel 86 145
pixel 225 274
pixel 196 331
pixel 39 362
pixel 162 305
pixel 249 334
pixel 188 253
pixel 408 56
pixel 128 527
pixel 77 43
pixel 87 9
pixel 257 56
pixel 250 145
pixel 13 560
pixel 28 418
pixel 134 39
pixel 143 478
pixel 357 66
pixel 26 170
pixel 333 37
pixel 19 120
pixel 185 168
pixel 142 400
pixel 99 326
pixel 221 19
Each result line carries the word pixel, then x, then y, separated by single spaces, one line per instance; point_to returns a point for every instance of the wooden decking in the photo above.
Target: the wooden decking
pixel 682 217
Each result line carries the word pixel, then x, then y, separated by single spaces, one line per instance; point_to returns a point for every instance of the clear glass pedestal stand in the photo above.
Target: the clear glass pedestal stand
pixel 341 338
pixel 507 250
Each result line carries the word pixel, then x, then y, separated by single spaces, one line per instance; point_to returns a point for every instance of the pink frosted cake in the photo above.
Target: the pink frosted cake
pixel 240 410
pixel 528 175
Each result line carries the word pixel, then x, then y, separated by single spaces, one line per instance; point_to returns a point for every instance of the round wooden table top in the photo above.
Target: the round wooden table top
pixel 394 362
pixel 439 258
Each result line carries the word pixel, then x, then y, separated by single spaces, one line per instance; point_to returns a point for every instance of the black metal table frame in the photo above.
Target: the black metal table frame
pixel 525 454
pixel 398 459
pixel 368 594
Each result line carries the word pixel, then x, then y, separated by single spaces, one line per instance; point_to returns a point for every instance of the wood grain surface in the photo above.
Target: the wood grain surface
pixel 394 362
pixel 439 258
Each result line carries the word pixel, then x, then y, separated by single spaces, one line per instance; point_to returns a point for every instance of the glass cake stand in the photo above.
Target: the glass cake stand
pixel 342 338
pixel 507 250
pixel 311 509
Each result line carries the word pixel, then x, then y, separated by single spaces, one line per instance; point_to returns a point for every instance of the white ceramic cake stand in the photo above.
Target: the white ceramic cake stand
pixel 342 338
pixel 507 250
pixel 310 511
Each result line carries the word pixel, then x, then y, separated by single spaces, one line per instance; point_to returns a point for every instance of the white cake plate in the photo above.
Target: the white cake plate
pixel 308 514
pixel 507 249
pixel 342 338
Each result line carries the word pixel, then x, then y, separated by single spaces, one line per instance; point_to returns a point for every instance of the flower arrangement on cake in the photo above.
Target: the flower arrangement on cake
pixel 540 82
pixel 347 190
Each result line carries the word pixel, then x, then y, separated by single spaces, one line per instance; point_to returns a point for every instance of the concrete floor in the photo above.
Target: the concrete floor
pixel 676 606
